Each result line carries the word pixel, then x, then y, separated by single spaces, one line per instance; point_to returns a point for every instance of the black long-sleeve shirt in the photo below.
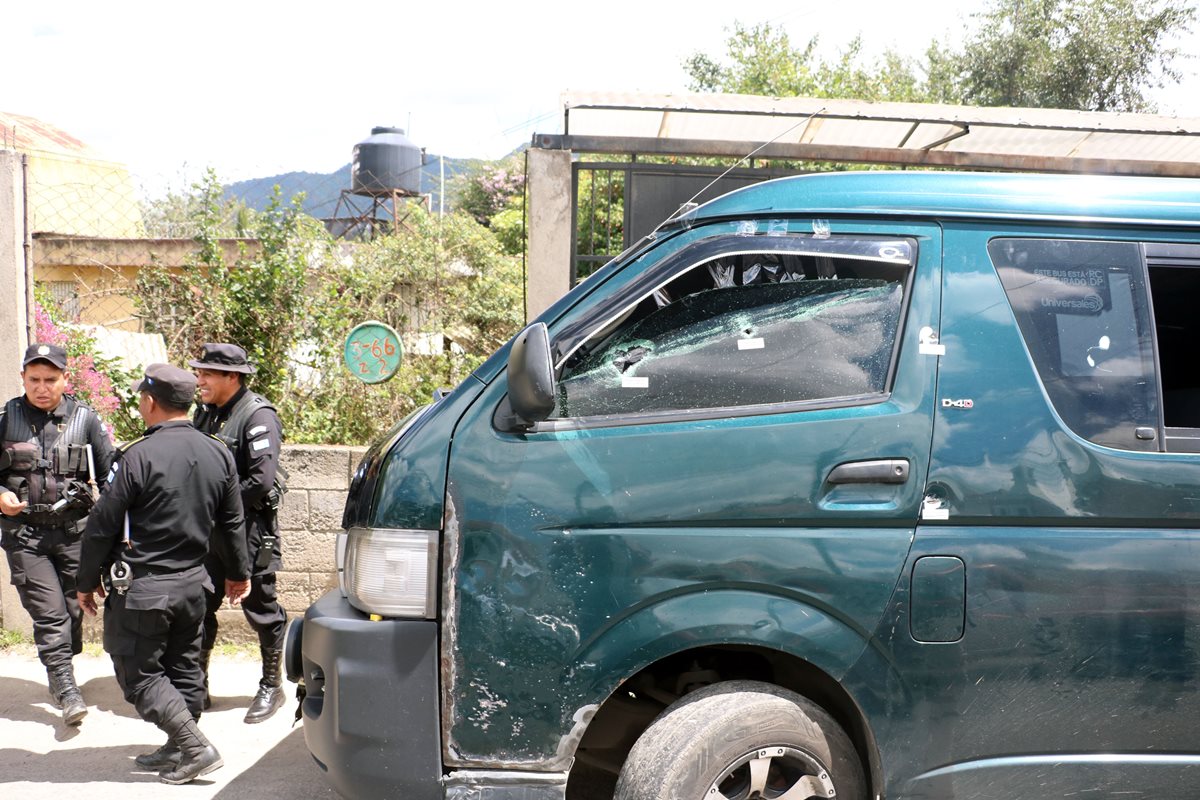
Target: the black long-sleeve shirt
pixel 178 486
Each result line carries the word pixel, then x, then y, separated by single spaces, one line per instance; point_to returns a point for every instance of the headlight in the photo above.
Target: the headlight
pixel 392 573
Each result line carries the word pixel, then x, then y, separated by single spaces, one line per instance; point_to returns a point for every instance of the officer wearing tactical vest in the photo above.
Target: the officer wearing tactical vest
pixel 53 447
pixel 169 494
pixel 248 425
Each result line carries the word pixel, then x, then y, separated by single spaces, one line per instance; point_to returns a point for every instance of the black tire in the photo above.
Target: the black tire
pixel 742 740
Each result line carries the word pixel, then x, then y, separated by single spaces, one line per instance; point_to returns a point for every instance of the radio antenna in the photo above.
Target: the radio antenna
pixel 691 202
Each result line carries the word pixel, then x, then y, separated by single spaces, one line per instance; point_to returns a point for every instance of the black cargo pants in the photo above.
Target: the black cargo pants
pixel 43 562
pixel 261 607
pixel 153 634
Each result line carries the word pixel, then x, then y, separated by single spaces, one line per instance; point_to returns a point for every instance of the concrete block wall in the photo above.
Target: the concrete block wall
pixel 309 521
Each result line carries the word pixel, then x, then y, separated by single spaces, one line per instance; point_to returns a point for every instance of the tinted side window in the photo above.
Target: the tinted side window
pixel 747 328
pixel 1082 310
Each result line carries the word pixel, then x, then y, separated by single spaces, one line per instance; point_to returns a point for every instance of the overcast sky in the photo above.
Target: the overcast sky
pixel 256 88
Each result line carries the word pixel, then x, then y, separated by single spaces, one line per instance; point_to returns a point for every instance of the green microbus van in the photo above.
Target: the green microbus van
pixel 857 485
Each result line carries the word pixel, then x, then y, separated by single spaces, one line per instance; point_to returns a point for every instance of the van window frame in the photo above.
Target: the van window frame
pixel 1169 255
pixel 1150 254
pixel 568 340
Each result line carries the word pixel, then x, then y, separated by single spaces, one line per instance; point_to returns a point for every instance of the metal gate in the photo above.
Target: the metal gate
pixel 617 203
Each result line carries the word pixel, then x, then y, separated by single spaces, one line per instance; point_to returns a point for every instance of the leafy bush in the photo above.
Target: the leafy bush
pixel 97 381
pixel 443 282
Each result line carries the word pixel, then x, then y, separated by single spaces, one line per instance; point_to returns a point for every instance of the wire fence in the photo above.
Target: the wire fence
pixel 133 275
pixel 95 225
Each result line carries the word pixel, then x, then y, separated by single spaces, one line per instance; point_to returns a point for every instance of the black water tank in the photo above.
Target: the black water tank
pixel 386 161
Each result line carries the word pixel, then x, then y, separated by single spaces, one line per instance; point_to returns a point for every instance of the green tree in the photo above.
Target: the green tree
pixel 762 60
pixel 1098 55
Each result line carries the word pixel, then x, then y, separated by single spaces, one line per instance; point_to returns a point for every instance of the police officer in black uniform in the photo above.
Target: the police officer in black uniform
pixel 248 425
pixel 168 492
pixel 53 447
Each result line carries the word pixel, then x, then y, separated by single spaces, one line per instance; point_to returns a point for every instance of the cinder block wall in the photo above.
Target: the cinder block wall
pixel 311 517
pixel 309 520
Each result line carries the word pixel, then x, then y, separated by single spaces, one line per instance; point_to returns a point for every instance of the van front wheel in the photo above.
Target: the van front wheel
pixel 742 740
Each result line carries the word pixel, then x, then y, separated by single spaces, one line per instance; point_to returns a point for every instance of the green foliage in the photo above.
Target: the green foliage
pixel 95 380
pixel 259 302
pixel 186 214
pixel 1098 55
pixel 444 284
pixel 762 60
pixel 10 639
pixel 187 305
pixel 599 218
pixel 265 294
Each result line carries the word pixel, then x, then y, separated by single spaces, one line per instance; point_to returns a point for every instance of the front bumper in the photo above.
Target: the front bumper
pixel 371 703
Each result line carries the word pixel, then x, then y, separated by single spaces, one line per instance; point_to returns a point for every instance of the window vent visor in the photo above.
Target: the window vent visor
pixel 392 573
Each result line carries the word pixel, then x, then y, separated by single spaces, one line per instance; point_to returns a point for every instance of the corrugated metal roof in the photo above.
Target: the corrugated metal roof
pixel 32 135
pixel 72 189
pixel 899 133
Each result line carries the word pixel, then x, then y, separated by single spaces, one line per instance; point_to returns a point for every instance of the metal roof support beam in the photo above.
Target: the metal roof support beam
pixel 1009 162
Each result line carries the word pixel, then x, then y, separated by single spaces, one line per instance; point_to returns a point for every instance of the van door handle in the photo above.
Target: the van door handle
pixel 882 470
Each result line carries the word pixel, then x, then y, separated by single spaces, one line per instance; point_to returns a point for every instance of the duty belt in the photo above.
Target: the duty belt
pixel 39 515
pixel 142 570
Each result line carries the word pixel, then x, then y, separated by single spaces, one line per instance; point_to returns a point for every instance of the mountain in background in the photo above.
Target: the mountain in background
pixel 323 190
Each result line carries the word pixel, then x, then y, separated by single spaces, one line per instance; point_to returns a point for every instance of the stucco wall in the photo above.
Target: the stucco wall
pixel 309 521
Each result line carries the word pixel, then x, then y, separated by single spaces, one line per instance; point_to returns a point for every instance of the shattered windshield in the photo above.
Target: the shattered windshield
pixel 743 329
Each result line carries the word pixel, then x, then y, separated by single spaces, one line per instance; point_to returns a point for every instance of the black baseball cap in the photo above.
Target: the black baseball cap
pixel 224 357
pixel 172 385
pixel 52 354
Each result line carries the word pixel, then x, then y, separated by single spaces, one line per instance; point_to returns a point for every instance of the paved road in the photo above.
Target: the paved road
pixel 41 759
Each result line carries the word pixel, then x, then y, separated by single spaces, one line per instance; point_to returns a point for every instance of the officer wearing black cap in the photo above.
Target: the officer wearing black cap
pixel 52 448
pixel 248 425
pixel 168 492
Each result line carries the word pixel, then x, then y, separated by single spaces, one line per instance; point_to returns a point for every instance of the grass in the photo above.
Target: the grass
pixel 10 639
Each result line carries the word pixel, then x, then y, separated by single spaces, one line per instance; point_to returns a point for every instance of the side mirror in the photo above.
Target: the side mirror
pixel 531 376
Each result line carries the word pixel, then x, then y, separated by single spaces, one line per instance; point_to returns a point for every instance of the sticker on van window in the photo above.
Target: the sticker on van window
pixel 751 344
pixel 634 382
pixel 1083 291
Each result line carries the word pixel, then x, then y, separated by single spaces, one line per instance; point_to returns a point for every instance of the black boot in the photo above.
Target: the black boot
pixel 205 655
pixel 164 757
pixel 197 756
pixel 270 688
pixel 66 694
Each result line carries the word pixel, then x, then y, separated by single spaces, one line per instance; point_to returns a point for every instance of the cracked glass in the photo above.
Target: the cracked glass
pixel 746 329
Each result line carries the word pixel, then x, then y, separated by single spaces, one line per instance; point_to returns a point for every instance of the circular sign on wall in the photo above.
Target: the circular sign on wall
pixel 373 352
